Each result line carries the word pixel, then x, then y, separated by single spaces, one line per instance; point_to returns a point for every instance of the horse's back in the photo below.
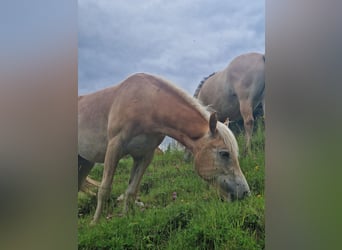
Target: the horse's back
pixel 247 75
pixel 248 69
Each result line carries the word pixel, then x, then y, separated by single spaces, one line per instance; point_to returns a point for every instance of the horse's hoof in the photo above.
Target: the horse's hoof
pixel 93 223
pixel 121 197
pixel 139 203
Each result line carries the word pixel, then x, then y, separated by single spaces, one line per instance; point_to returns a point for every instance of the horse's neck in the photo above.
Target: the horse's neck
pixel 182 121
pixel 189 142
pixel 215 87
pixel 218 76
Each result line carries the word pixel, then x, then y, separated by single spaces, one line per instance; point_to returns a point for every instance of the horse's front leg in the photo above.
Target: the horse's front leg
pixel 248 119
pixel 113 155
pixel 138 170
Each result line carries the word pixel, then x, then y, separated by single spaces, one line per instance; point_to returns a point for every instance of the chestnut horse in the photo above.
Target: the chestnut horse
pixel 134 117
pixel 236 91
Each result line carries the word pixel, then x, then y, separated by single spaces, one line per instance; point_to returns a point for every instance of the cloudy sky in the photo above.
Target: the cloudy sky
pixel 182 41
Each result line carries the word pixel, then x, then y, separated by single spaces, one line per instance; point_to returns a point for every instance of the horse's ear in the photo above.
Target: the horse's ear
pixel 213 123
pixel 226 122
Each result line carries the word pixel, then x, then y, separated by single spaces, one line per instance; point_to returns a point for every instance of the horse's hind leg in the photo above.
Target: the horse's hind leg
pixel 246 110
pixel 84 167
pixel 138 170
pixel 113 155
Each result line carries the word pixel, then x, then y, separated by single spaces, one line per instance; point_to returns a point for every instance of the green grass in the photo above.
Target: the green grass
pixel 197 219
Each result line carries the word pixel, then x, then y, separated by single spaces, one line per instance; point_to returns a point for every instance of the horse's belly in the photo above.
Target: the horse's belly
pixel 229 108
pixel 92 146
pixel 141 144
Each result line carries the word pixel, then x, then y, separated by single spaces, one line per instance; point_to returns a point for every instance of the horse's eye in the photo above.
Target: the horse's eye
pixel 224 155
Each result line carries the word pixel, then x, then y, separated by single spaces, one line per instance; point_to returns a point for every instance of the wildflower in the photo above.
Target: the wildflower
pixel 174 195
pixel 256 167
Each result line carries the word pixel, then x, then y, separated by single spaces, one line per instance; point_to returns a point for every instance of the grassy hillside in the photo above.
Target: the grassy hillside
pixel 197 219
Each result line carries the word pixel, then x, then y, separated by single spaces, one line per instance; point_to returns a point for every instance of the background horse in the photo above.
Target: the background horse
pixel 236 91
pixel 133 118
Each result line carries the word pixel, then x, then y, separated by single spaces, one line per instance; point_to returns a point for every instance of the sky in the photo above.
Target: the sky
pixel 182 41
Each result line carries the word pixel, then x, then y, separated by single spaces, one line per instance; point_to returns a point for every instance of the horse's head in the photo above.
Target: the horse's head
pixel 216 160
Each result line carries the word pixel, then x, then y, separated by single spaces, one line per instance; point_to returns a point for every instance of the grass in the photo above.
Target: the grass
pixel 197 219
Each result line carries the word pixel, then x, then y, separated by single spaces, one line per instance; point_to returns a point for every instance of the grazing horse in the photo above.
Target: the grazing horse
pixel 134 117
pixel 236 91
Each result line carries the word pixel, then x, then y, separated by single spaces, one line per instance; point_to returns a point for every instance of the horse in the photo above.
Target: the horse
pixel 133 117
pixel 236 91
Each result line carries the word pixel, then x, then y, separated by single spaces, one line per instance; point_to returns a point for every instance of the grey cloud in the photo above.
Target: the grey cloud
pixel 182 41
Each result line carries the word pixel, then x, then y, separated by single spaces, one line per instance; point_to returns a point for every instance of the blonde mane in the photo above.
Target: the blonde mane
pixel 228 137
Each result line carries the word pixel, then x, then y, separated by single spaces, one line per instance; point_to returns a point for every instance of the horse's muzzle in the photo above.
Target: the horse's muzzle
pixel 234 188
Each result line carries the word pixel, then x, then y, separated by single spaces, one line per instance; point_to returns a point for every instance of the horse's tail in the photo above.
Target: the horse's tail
pixel 201 84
